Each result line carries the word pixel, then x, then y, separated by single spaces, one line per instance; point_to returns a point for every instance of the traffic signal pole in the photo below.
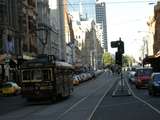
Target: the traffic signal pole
pixel 121 88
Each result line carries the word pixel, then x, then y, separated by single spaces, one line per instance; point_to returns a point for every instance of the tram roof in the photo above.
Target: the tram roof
pixel 43 63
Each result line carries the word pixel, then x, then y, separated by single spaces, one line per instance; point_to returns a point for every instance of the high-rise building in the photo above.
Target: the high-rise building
pixel 101 19
pixel 85 7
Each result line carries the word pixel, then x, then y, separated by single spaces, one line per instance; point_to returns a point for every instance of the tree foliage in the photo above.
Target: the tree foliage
pixel 128 60
pixel 107 58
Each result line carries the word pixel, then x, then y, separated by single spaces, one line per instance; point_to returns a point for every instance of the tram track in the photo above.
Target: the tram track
pixel 86 97
pixel 34 111
pixel 101 99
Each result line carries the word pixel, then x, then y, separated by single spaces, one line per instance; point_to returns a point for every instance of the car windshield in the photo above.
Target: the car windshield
pixel 146 72
pixel 7 85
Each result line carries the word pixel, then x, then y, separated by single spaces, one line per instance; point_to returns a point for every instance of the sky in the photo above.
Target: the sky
pixel 124 19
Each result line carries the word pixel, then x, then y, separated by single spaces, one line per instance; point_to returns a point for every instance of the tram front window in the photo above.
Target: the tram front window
pixel 36 75
pixel 32 75
pixel 44 75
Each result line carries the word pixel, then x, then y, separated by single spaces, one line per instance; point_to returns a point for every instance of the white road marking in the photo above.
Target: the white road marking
pixel 99 102
pixel 73 106
pixel 77 103
pixel 143 101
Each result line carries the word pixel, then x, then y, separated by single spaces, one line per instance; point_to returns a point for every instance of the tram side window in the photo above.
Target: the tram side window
pixel 36 75
pixel 46 75
pixel 26 75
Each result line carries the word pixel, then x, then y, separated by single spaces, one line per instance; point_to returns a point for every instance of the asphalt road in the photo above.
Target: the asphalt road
pixel 11 103
pixel 91 100
pixel 138 106
pixel 79 106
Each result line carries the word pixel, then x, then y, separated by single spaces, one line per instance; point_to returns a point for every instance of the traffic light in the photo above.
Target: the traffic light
pixel 121 47
pixel 118 58
pixel 118 44
pixel 114 44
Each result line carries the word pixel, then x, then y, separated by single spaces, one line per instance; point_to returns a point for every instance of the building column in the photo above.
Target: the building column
pixel 62 49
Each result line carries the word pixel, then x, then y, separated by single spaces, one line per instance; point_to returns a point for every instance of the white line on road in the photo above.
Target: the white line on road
pixel 143 101
pixel 77 103
pixel 74 105
pixel 99 102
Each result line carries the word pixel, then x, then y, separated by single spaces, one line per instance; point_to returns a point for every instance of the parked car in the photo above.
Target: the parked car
pixel 83 77
pixel 10 88
pixel 154 84
pixel 76 80
pixel 142 77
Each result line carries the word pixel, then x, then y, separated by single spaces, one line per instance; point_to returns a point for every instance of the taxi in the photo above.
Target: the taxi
pixel 10 88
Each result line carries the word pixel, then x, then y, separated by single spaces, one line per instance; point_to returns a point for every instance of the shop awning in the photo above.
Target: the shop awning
pixel 154 61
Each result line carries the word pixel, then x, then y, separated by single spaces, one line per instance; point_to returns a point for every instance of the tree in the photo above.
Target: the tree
pixel 107 58
pixel 128 60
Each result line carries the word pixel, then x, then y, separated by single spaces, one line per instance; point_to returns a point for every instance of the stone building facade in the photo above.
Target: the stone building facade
pixel 92 50
pixel 17 34
pixel 43 20
pixel 28 17
pixel 9 27
pixel 156 45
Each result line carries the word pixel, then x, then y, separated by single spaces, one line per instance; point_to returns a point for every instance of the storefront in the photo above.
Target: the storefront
pixel 8 68
pixel 154 61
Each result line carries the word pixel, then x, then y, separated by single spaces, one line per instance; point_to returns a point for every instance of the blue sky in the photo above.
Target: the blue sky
pixel 124 19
